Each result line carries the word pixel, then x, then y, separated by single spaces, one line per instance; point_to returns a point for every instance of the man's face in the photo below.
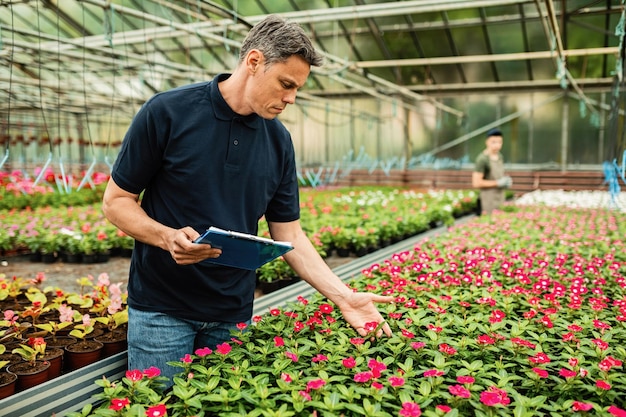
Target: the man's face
pixel 494 144
pixel 273 87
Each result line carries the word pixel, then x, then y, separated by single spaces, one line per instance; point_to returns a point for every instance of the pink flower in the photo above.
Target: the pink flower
pixel 377 385
pixel 156 411
pixel 278 341
pixel 396 381
pixel 292 356
pixel 305 395
pixel 459 391
pixel 601 344
pixel 285 377
pixel 376 367
pixel 241 326
pixel 202 352
pixel 223 349
pixel 541 372
pixel 444 408
pixel 410 410
pixel 566 373
pixel 118 403
pixel 465 379
pixel 578 406
pixel 152 372
pixel 494 396
pixel 432 372
pixel 418 345
pixel 315 384
pixel 603 385
pixel 134 375
pixel 616 411
pixel 187 358
pixel 349 362
pixel 363 376
pixel 319 358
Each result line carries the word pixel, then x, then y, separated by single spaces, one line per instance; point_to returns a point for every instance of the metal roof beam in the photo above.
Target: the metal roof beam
pixel 451 60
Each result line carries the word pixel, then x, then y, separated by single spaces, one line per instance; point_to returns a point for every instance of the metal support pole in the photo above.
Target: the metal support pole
pixel 564 132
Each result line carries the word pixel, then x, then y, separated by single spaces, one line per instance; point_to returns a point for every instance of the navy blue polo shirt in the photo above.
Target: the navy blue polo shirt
pixel 200 164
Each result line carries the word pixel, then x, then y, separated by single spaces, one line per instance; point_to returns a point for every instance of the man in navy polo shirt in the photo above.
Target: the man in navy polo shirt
pixel 214 154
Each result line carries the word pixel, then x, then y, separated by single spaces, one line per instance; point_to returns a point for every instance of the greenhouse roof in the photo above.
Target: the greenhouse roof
pixel 78 56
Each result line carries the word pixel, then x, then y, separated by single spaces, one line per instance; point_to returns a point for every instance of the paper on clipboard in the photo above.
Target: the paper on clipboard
pixel 242 250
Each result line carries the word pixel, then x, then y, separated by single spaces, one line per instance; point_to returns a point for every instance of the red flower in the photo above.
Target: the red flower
pixel 241 326
pixel 407 334
pixel 485 340
pixel 202 352
pixel 540 357
pixel 285 377
pixel 396 381
pixel 603 385
pixel 601 344
pixel 134 375
pixel 349 362
pixel 152 372
pixel 118 403
pixel 541 372
pixel 278 341
pixel 459 391
pixel 156 411
pixel 444 408
pixel 326 308
pixel 497 316
pixel 566 373
pixel 447 349
pixel 187 358
pixel 578 406
pixel 223 349
pixel 357 341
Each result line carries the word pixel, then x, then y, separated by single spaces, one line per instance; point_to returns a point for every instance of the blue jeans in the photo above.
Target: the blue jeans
pixel 157 338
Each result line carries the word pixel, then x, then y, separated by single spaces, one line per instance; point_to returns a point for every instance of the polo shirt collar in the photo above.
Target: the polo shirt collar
pixel 222 109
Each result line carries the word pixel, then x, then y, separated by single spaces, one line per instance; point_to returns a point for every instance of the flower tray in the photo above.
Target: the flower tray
pixel 72 391
pixel 69 392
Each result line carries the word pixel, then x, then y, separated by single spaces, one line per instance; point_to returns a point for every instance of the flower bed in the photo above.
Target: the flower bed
pixel 519 313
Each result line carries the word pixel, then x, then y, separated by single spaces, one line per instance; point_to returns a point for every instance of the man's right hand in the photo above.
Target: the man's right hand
pixel 504 182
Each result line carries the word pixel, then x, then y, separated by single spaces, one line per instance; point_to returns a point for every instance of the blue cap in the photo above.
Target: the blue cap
pixel 494 132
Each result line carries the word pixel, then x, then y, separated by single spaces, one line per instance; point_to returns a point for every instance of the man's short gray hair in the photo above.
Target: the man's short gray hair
pixel 279 39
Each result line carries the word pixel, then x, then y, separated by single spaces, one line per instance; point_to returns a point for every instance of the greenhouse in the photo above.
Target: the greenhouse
pixel 423 196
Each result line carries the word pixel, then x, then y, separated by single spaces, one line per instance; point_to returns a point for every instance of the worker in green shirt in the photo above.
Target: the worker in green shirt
pixel 489 176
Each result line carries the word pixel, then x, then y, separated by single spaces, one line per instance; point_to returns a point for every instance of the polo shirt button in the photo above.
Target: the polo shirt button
pixel 236 142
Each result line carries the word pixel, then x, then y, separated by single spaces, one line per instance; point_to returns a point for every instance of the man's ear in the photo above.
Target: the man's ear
pixel 254 60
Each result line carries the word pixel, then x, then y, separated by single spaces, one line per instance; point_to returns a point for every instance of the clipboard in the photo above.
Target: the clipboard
pixel 242 250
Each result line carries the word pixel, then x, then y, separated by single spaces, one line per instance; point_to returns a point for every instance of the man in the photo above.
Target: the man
pixel 488 175
pixel 213 154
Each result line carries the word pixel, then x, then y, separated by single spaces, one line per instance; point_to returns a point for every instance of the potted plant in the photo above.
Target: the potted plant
pixel 85 350
pixel 8 380
pixel 33 370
